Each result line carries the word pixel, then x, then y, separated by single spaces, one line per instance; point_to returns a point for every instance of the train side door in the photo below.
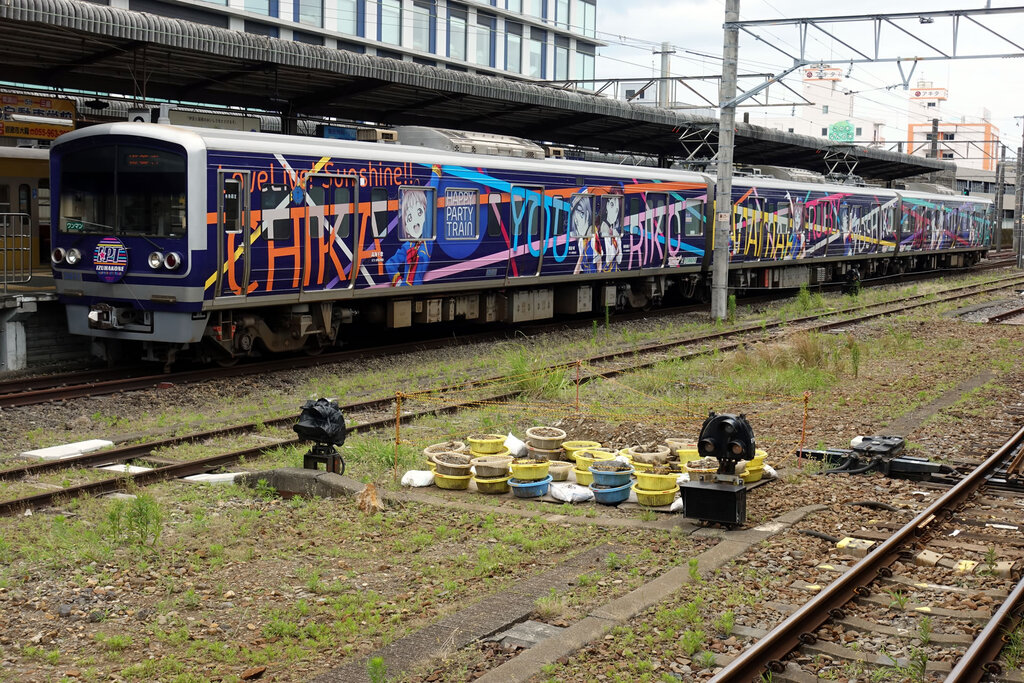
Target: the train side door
pixel 233 234
pixel 329 238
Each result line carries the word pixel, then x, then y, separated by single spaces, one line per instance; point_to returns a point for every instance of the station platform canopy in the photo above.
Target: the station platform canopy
pixel 71 46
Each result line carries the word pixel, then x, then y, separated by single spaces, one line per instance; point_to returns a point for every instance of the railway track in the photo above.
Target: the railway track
pixel 898 573
pixel 33 391
pixel 599 365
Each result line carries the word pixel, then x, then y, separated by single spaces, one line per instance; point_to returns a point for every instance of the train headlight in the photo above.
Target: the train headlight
pixel 172 260
pixel 73 256
pixel 57 255
pixel 155 260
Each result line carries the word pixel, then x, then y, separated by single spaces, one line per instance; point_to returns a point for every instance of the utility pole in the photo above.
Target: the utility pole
pixel 935 139
pixel 1018 200
pixel 666 73
pixel 726 142
pixel 1000 191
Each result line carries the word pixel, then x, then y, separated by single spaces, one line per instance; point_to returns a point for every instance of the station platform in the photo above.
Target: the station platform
pixel 33 327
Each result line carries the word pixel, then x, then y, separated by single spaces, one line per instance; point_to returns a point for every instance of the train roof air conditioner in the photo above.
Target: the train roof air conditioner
pixel 469 141
pixel 376 135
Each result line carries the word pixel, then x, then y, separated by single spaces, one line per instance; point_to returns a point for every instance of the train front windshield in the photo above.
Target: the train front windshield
pixel 123 189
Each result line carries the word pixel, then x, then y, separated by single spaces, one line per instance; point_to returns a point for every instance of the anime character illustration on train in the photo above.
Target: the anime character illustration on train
pixel 409 263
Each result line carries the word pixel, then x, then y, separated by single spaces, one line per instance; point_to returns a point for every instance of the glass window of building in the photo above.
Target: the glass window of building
pixel 538 40
pixel 513 47
pixel 535 8
pixel 514 6
pixel 267 8
pixel 562 13
pixel 485 39
pixel 389 22
pixel 309 12
pixel 585 63
pixel 561 58
pixel 457 32
pixel 351 17
pixel 424 25
pixel 585 18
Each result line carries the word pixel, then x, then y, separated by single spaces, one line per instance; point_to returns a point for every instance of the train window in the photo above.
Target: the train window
pixel 461 214
pixel 343 197
pixel 418 209
pixel 581 216
pixel 796 211
pixel 275 202
pixel 694 215
pixel 231 213
pixel 656 203
pixel 5 199
pixel 24 198
pixel 610 215
pixel 494 224
pixel 526 209
pixel 87 195
pixel 379 209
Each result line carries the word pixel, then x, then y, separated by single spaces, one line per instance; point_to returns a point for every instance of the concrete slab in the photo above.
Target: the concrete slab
pixel 526 634
pixel 220 478
pixel 302 482
pixel 125 469
pixel 67 450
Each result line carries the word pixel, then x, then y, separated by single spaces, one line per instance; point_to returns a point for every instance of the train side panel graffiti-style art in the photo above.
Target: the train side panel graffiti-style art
pixel 239 243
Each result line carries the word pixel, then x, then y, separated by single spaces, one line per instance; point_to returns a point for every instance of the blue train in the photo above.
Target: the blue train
pixel 232 244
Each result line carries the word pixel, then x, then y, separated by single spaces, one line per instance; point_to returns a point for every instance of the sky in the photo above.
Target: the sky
pixel 633 28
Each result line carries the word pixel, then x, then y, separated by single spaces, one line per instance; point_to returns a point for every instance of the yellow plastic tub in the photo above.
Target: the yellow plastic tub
pixel 641 466
pixel 654 498
pixel 486 444
pixel 443 481
pixel 583 477
pixel 687 454
pixel 491 486
pixel 586 457
pixel 655 482
pixel 529 470
pixel 570 447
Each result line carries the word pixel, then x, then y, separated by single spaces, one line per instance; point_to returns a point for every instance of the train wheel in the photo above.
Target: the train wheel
pixel 226 361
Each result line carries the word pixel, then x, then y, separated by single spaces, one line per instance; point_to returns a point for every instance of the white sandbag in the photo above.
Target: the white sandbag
pixel 418 478
pixel 683 478
pixel 676 506
pixel 568 492
pixel 769 472
pixel 515 447
pixel 622 459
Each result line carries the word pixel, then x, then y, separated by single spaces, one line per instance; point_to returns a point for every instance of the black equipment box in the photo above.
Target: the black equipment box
pixel 715 502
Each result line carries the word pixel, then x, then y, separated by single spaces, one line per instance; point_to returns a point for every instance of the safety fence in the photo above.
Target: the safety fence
pixel 16 252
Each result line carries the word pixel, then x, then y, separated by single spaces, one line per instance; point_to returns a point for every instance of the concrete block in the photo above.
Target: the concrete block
pixel 927 558
pixel 857 547
pixel 526 634
pixel 125 469
pixel 221 478
pixel 68 450
pixel 966 566
pixel 299 481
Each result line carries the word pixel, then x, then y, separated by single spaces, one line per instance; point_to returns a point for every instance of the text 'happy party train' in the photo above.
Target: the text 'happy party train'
pixel 233 244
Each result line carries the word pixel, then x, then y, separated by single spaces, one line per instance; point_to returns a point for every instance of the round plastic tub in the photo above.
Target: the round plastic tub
pixel 491 466
pixel 656 482
pixel 486 444
pixel 559 470
pixel 529 470
pixel 444 481
pixel 529 489
pixel 641 466
pixel 583 477
pixel 586 457
pixel 452 464
pixel 443 447
pixel 497 485
pixel 543 453
pixel 606 478
pixel 613 496
pixel 547 438
pixel 655 498
pixel 570 447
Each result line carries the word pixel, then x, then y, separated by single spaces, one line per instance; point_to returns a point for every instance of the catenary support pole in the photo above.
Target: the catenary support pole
pixel 664 94
pixel 1000 193
pixel 1018 204
pixel 726 141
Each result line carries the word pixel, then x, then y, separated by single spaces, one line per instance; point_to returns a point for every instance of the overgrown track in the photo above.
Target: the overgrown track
pixel 97 382
pixel 870 579
pixel 601 365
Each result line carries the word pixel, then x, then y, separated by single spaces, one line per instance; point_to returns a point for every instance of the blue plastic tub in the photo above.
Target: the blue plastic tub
pixel 612 496
pixel 531 489
pixel 606 478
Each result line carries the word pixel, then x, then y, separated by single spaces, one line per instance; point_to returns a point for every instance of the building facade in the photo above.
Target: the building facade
pixel 831 115
pixel 930 133
pixel 528 39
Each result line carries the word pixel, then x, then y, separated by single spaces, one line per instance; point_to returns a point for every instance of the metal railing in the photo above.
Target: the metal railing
pixel 16 252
